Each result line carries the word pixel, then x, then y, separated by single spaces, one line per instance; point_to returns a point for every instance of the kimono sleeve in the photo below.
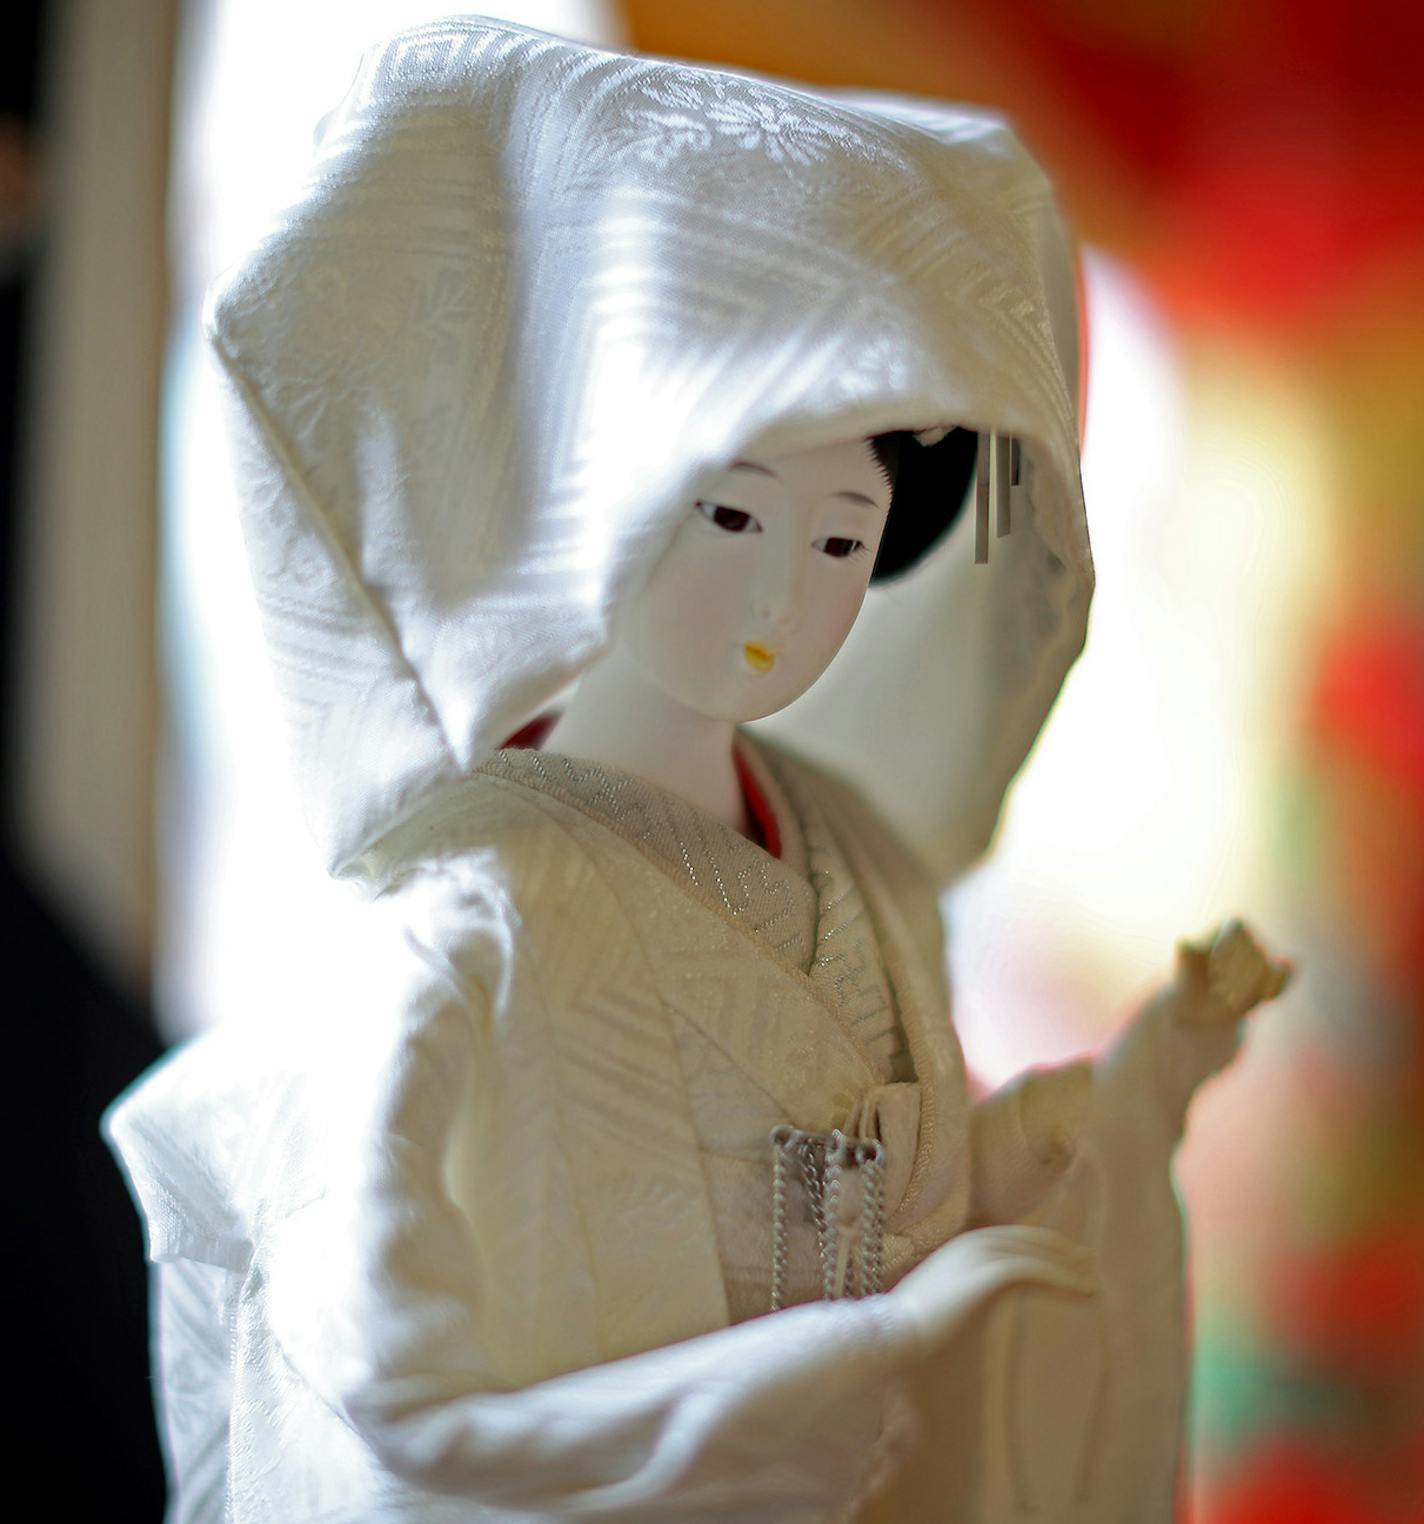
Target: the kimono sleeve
pixel 1023 1137
pixel 375 1298
pixel 1026 1135
pixel 1098 1413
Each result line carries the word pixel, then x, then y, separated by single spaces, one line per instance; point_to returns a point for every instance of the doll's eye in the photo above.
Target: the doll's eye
pixel 733 520
pixel 839 546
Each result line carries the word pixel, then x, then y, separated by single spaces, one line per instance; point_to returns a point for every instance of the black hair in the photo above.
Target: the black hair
pixel 929 486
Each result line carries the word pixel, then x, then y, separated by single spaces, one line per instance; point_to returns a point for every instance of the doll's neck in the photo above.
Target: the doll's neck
pixel 620 720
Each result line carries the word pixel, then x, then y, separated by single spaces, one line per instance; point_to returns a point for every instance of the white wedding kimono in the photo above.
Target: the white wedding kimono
pixel 493 1239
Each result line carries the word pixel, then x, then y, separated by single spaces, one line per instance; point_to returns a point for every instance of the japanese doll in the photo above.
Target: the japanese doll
pixel 587 407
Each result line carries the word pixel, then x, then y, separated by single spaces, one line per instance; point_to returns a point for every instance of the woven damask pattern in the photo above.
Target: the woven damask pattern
pixel 805 905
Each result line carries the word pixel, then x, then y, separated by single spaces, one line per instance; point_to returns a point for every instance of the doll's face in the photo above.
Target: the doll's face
pixel 762 581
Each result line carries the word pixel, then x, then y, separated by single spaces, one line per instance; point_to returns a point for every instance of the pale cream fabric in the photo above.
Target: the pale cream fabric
pixel 804 903
pixel 490 1233
pixel 825 931
pixel 544 1150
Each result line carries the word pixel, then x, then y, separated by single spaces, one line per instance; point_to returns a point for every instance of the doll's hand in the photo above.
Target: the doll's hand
pixel 950 1285
pixel 1192 1029
pixel 1219 981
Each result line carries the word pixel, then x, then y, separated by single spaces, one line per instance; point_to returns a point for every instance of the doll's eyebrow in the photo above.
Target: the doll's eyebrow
pixel 850 497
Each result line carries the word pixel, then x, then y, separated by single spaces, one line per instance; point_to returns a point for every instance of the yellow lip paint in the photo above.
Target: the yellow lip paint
pixel 760 658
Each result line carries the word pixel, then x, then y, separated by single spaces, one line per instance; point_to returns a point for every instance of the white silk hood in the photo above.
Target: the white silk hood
pixel 533 296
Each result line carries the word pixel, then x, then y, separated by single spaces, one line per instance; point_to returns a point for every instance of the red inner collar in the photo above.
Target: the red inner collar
pixel 530 737
pixel 763 823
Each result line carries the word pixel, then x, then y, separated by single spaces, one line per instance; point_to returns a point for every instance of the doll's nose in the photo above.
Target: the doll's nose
pixel 778 591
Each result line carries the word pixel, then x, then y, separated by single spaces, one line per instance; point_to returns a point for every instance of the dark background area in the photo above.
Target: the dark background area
pixel 86 1437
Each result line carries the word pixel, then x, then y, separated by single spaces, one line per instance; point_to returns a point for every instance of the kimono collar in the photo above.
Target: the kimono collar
pixel 765 831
